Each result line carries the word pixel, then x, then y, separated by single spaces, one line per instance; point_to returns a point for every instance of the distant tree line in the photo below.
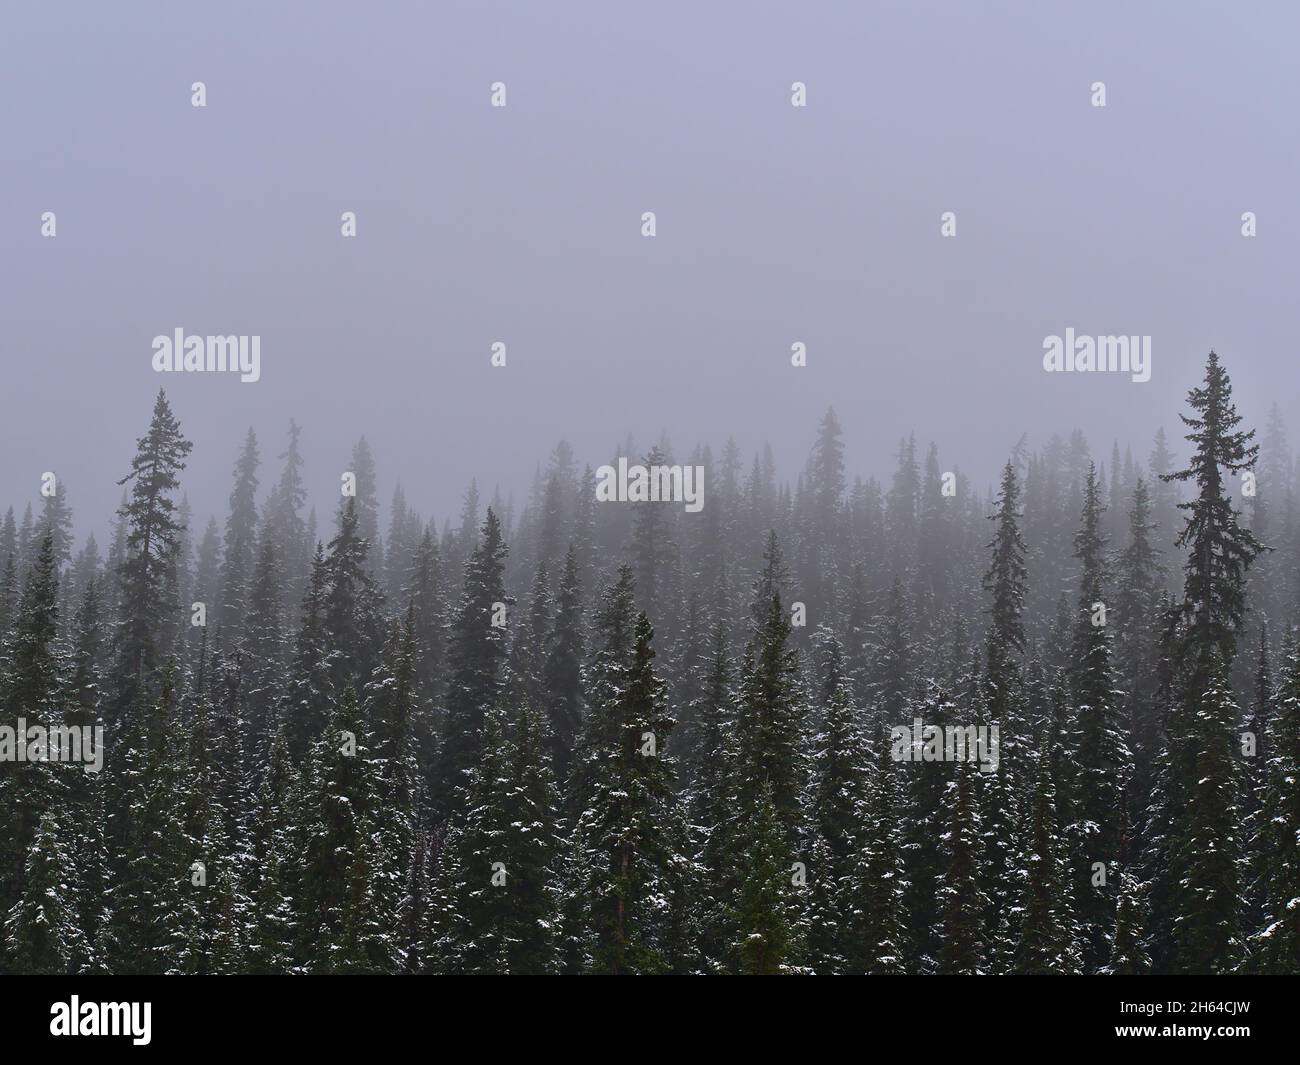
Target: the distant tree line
pixel 610 747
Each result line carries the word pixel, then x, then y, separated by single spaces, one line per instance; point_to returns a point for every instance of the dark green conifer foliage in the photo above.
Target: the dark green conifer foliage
pixel 891 667
pixel 147 569
pixel 274 865
pixel 534 846
pixel 150 918
pixel 324 779
pixel 1260 725
pixel 85 683
pixel 562 670
pixel 1197 892
pixel 765 909
pixel 239 556
pixel 770 719
pixel 426 597
pixel 712 803
pixel 284 528
pixel 960 902
pixel 1139 581
pixel 876 938
pixel 393 714
pixel 1219 549
pixel 837 794
pixel 262 648
pixel 926 785
pixel 310 689
pixel 351 606
pixel 528 647
pixel 1005 579
pixel 366 503
pixel 340 799
pixel 1102 754
pixel 838 761
pixel 627 845
pixel 1047 943
pixel 1207 933
pixel 363 944
pixel 935 555
pixel 476 658
pixel 1003 705
pixel 1128 956
pixel 42 930
pixel 606 679
pixel 9 591
pixel 212 894
pixel 1275 944
pixel 56 522
pixel 901 510
pixel 31 695
pixel 495 911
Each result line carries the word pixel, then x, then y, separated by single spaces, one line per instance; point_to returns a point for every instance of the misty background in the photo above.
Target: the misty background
pixel 522 225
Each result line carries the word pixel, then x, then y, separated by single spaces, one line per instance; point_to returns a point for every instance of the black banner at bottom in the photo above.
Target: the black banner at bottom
pixel 146 1014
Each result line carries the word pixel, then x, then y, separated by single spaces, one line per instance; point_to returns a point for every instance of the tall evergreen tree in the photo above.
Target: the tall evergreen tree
pixel 1275 943
pixel 476 658
pixel 336 830
pixel 960 901
pixel 837 793
pixel 42 930
pixel 765 911
pixel 308 695
pixel 627 848
pixel 426 601
pixel 562 669
pixel 1047 929
pixel 494 901
pixel 769 720
pixel 31 696
pixel 712 802
pixel 273 861
pixel 239 556
pixel 1207 935
pixel 534 847
pixel 56 522
pixel 352 602
pixel 1200 788
pixel 262 647
pixel 1102 754
pixel 1003 705
pixel 654 553
pixel 366 504
pixel 283 525
pixel 1139 580
pixel 152 542
pixel 876 937
pixel 1219 549
pixel 150 918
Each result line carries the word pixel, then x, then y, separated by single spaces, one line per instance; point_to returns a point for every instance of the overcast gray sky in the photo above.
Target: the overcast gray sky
pixel 522 224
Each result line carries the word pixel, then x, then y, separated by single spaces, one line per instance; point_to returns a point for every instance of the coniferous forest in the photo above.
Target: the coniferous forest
pixel 575 736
